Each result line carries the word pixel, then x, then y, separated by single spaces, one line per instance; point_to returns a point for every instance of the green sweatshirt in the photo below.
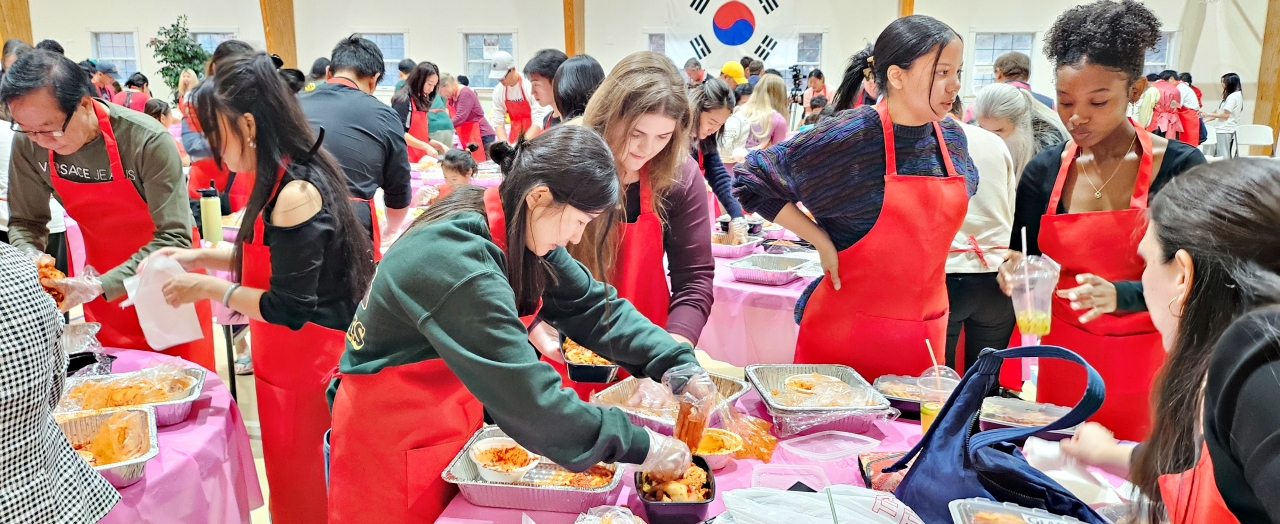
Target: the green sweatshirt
pixel 441 292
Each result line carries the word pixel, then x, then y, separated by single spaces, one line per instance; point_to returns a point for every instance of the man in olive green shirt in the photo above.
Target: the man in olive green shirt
pixel 148 156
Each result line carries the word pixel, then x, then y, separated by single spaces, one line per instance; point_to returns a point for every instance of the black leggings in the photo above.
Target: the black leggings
pixel 982 310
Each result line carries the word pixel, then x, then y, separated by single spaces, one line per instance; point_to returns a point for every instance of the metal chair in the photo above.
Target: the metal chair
pixel 1254 135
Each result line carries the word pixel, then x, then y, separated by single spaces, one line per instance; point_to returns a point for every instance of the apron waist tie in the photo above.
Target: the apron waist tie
pixel 977 250
pixel 332 374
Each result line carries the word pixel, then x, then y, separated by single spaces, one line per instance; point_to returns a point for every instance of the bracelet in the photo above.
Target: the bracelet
pixel 226 297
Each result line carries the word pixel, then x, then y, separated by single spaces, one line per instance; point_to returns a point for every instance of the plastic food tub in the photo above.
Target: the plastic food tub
pixel 829 445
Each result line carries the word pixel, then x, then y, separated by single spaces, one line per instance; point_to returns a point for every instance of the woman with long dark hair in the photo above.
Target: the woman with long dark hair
pixel 1087 212
pixel 712 103
pixel 300 268
pixel 427 349
pixel 642 110
pixel 1212 286
pixel 858 86
pixel 887 187
pixel 1229 114
pixel 420 106
pixel 575 81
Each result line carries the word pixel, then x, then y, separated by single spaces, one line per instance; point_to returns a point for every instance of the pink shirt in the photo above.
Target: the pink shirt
pixel 777 132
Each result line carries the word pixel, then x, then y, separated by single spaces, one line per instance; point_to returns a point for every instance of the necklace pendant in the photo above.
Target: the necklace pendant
pixel 1097 194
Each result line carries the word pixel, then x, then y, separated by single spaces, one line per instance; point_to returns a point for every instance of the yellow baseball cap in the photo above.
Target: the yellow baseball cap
pixel 734 70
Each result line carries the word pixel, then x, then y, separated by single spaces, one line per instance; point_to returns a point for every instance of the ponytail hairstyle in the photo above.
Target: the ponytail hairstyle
pixel 901 44
pixel 1035 126
pixel 1226 216
pixel 460 161
pixel 574 163
pixel 642 83
pixel 858 70
pixel 711 95
pixel 247 84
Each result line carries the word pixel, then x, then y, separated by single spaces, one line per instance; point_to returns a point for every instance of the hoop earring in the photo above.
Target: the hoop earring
pixel 1170 307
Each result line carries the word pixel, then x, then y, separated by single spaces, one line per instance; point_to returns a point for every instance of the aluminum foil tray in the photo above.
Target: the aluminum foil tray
pixel 791 421
pixel 616 396
pixel 81 426
pixel 167 413
pixel 769 270
pixel 738 251
pixel 525 495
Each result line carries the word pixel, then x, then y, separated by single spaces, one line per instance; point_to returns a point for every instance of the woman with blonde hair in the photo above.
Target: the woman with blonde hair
pixel 766 113
pixel 642 110
pixel 1026 125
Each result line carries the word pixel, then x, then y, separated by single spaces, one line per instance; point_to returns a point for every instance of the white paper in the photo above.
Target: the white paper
pixel 164 326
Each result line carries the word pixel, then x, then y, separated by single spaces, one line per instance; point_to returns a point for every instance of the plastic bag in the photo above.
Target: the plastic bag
pixel 757 442
pixel 693 388
pixel 608 515
pixel 822 391
pixel 653 397
pixel 81 337
pixel 163 325
pixel 852 421
pixel 161 383
pixel 121 437
pixel 852 504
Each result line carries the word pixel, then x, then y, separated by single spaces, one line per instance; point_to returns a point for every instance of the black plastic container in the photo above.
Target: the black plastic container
pixel 588 372
pixel 755 226
pixel 680 512
pixel 724 222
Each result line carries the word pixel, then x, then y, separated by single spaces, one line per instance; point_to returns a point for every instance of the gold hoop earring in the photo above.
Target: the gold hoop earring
pixel 1170 307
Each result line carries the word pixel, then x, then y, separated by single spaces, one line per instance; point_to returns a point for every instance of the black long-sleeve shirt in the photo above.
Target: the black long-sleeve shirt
pixel 1036 185
pixel 717 176
pixel 1241 422
pixel 367 138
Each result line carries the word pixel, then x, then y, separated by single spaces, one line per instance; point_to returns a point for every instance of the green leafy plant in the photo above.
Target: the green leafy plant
pixel 176 49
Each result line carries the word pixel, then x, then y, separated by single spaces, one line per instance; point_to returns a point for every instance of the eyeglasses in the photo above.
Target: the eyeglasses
pixel 13 126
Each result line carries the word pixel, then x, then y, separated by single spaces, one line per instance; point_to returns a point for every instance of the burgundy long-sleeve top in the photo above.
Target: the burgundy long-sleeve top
pixel 686 238
pixel 467 110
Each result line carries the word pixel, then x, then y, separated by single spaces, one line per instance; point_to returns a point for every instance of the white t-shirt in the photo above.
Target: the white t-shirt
pixel 990 217
pixel 1234 104
pixel 1188 96
pixel 501 94
pixel 56 224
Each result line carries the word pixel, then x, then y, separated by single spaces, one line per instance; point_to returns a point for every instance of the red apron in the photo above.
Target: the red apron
pixel 1190 119
pixel 1124 347
pixel 1192 497
pixel 878 321
pixel 638 274
pixel 373 209
pixel 385 463
pixel 468 133
pixel 290 368
pixel 112 240
pixel 419 128
pixel 521 114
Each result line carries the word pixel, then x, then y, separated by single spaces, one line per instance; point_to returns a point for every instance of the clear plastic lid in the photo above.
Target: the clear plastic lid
pixel 830 445
pixel 783 476
pixel 898 386
pixel 983 511
pixel 1021 412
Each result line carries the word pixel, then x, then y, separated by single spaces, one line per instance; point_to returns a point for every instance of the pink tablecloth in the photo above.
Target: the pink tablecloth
pixel 435 178
pixel 893 436
pixel 751 324
pixel 204 472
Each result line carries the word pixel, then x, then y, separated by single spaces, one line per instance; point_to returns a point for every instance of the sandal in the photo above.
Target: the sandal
pixel 244 365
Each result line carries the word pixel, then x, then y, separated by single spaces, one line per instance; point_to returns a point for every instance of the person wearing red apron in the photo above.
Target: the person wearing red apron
pixel 712 103
pixel 1192 497
pixel 1125 348
pixel 521 115
pixel 112 240
pixel 471 347
pixel 469 122
pixel 518 105
pixel 418 127
pixel 879 320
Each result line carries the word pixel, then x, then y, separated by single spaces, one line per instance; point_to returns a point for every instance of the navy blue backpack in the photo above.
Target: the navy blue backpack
pixel 956 460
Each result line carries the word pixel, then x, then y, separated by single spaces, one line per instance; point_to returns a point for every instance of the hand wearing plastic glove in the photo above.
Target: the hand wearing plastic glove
pixel 691 382
pixel 76 290
pixel 668 458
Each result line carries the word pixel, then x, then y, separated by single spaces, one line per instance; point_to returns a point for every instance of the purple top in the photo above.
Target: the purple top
pixel 777 131
pixel 467 109
pixel 686 238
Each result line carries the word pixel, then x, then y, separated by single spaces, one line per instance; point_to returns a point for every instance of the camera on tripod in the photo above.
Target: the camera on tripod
pixel 797 94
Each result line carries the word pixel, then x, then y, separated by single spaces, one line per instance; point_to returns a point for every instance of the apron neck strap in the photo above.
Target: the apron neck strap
pixel 891 153
pixel 108 139
pixel 1141 186
pixel 496 217
pixel 342 80
pixel 646 191
pixel 257 222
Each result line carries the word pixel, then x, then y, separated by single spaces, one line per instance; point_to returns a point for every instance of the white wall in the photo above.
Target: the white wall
pixel 70 22
pixel 1212 37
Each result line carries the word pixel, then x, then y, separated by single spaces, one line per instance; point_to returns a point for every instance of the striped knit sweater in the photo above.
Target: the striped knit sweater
pixel 837 170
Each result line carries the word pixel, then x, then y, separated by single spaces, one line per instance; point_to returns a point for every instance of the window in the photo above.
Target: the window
pixel 658 43
pixel 210 41
pixel 392 47
pixel 119 49
pixel 988 47
pixel 809 53
pixel 1159 57
pixel 480 49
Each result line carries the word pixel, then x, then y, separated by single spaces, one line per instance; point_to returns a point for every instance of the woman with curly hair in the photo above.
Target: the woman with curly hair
pixel 1083 204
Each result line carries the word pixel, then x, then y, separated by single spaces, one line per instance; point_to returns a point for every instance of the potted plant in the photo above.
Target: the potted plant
pixel 176 50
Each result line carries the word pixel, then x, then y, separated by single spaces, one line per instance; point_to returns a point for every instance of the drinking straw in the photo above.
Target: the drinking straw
pixel 834 517
pixel 934 358
pixel 1026 275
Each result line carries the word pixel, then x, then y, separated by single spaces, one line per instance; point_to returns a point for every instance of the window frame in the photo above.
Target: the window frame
pixel 233 32
pixel 137 60
pixel 971 66
pixel 390 74
pixel 647 43
pixel 1170 52
pixel 466 32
